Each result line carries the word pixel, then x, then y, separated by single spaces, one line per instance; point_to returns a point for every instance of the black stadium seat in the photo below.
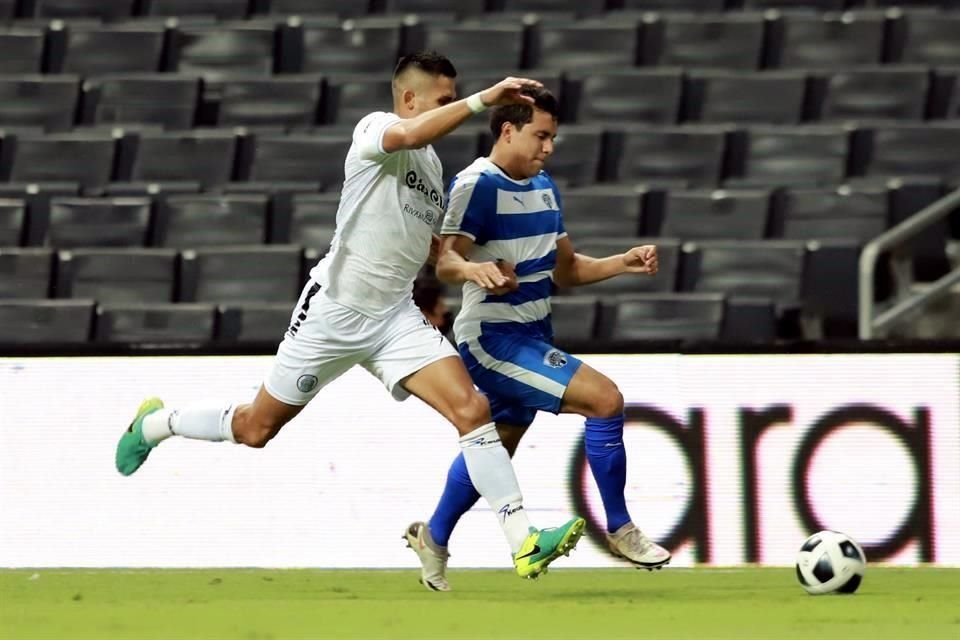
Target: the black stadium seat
pixel 202 220
pixel 22 49
pixel 702 214
pixel 49 102
pixel 241 274
pixel 284 101
pixel 45 322
pixel 623 95
pixel 117 275
pixel 154 323
pixel 830 40
pixel 663 316
pixel 92 49
pixel 13 221
pixel 99 222
pixel 25 273
pixel 167 100
pixel 79 156
pixel 103 9
pixel 805 155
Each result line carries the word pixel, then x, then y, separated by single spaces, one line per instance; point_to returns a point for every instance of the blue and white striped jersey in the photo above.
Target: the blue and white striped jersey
pixel 518 221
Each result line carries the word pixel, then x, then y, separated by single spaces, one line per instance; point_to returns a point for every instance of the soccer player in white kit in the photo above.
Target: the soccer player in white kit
pixel 357 307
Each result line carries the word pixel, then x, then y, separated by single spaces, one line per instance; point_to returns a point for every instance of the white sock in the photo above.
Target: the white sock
pixel 215 425
pixel 491 471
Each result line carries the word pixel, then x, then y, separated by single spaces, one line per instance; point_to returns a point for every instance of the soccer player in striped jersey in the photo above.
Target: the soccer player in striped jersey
pixel 506 209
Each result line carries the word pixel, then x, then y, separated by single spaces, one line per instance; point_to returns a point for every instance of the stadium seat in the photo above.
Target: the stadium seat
pixel 603 210
pixel 38 101
pixel 230 48
pixel 344 8
pixel 579 7
pixel 945 94
pixel 313 220
pixel 116 275
pixel 22 49
pixel 83 157
pixel 95 49
pixel 202 220
pixel 350 97
pixel 284 101
pixel 13 222
pixel 719 41
pixel 574 318
pixel 202 156
pixel 168 100
pixel 457 150
pixel 675 5
pixel 915 150
pixel 350 47
pixel 586 46
pixel 662 316
pixel 45 322
pixel 253 322
pixel 749 319
pixel 772 97
pixel 820 214
pixel 761 268
pixel 577 154
pixel 103 9
pixel 693 153
pixel 25 273
pixel 931 39
pixel 490 48
pixel 37 198
pixel 831 287
pixel 241 274
pixel 8 9
pixel 828 40
pixel 221 9
pixel 314 157
pixel 154 323
pixel 466 7
pixel 819 5
pixel 702 215
pixel 875 94
pixel 776 155
pixel 99 222
pixel 649 96
pixel 668 252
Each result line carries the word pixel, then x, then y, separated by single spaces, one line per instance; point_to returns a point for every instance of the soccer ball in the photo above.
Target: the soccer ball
pixel 830 562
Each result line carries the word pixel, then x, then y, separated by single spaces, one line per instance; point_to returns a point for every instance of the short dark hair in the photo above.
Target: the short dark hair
pixel 427 61
pixel 427 291
pixel 521 114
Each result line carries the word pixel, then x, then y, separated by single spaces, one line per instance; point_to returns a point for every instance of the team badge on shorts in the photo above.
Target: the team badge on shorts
pixel 555 358
pixel 306 383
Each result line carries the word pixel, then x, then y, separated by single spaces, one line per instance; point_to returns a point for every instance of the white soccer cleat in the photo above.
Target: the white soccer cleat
pixel 630 543
pixel 433 558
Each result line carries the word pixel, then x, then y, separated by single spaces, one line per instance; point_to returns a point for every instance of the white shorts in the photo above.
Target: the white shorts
pixel 325 339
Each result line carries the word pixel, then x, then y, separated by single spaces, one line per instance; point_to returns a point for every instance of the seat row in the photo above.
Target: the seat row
pixel 818 276
pixel 493 43
pixel 638 96
pixel 123 162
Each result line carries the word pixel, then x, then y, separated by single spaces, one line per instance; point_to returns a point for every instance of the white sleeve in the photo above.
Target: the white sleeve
pixel 368 135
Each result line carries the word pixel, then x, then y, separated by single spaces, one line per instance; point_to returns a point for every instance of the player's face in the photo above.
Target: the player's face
pixel 533 144
pixel 440 90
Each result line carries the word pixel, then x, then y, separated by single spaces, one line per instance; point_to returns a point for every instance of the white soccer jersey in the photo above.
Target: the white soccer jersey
pixel 388 207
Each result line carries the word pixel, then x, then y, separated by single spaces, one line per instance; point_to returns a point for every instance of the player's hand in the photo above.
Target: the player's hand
pixel 507 270
pixel 507 91
pixel 436 243
pixel 642 259
pixel 490 276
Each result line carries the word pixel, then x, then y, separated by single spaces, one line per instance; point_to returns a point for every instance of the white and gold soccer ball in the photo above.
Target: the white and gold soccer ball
pixel 830 562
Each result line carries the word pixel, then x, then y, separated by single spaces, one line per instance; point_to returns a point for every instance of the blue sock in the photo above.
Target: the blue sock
pixel 458 496
pixel 608 462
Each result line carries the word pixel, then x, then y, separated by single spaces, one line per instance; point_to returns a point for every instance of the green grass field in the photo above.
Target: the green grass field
pixel 621 603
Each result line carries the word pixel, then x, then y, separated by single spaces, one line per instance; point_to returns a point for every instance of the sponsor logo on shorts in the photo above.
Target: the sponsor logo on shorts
pixel 307 383
pixel 555 358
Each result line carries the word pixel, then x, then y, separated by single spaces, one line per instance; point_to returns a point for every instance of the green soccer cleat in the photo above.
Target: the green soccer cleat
pixel 132 450
pixel 546 545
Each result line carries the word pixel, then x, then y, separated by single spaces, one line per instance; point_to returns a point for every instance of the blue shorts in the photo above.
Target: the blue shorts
pixel 519 374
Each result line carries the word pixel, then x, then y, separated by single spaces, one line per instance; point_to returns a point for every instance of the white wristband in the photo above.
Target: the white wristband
pixel 476 104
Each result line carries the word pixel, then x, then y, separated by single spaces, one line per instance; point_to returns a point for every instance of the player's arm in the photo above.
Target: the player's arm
pixel 413 133
pixel 575 269
pixel 454 268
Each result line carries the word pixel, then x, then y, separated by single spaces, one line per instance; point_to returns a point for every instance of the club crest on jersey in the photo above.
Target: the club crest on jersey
pixel 547 200
pixel 555 358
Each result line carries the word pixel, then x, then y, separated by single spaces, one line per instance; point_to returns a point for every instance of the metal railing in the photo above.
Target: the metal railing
pixel 870 326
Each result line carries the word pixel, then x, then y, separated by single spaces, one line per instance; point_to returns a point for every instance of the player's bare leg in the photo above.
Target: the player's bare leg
pixel 594 396
pixel 253 424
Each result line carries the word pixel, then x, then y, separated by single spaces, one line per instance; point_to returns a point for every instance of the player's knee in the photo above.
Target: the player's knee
pixel 256 432
pixel 472 412
pixel 609 403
